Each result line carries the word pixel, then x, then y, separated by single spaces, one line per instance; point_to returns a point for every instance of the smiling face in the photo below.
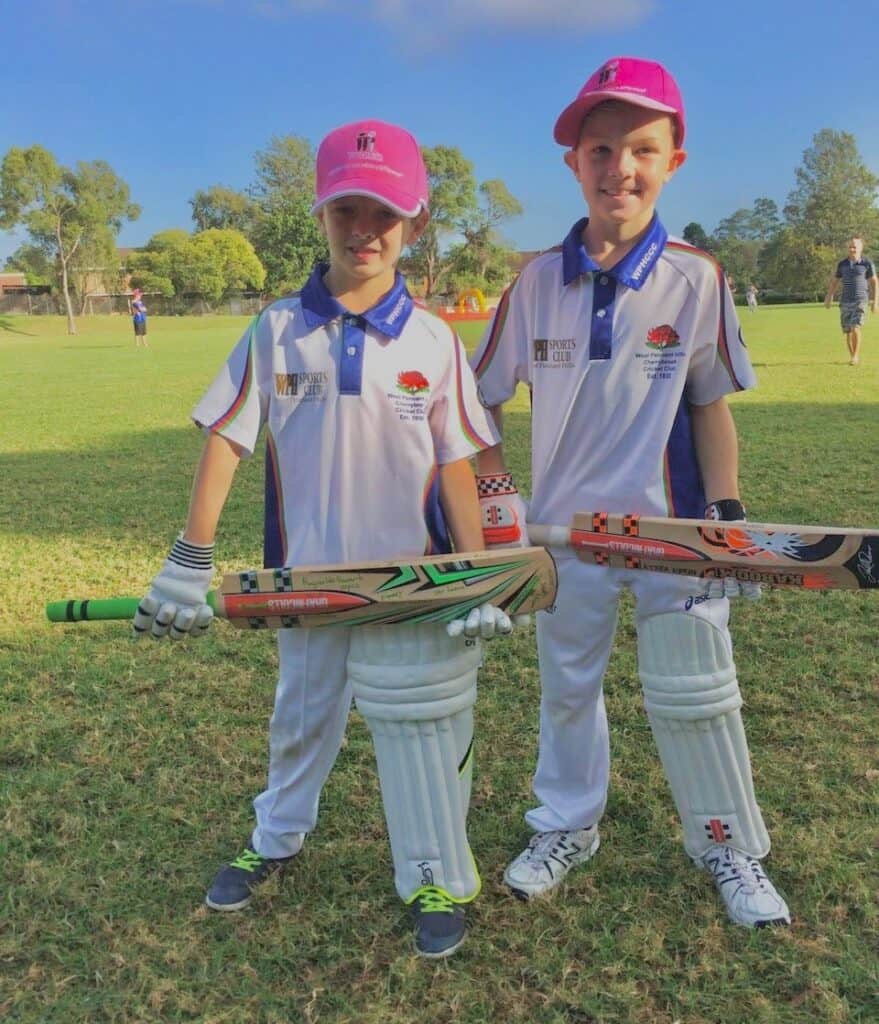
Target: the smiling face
pixel 365 239
pixel 624 156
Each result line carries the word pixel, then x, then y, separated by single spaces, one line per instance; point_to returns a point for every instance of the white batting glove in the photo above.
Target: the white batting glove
pixel 175 605
pixel 730 510
pixel 503 511
pixel 485 621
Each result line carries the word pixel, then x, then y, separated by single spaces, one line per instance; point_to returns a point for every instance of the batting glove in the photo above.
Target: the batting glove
pixel 503 511
pixel 730 510
pixel 485 621
pixel 175 605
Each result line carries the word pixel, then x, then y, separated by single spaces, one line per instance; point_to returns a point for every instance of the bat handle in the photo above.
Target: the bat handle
pixel 102 608
pixel 549 536
pixel 82 611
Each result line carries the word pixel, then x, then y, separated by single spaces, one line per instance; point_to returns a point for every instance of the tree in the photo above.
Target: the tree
pixel 284 169
pixel 222 262
pixel 289 243
pixel 273 213
pixel 213 263
pixel 452 203
pixel 764 222
pixel 483 255
pixel 835 194
pixel 696 235
pixel 96 261
pixel 33 262
pixel 221 207
pixel 796 264
pixel 62 209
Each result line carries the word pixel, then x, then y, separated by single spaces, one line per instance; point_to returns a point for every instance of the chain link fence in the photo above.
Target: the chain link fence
pixel 248 304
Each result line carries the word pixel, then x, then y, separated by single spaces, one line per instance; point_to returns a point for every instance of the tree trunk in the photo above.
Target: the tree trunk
pixel 71 322
pixel 65 288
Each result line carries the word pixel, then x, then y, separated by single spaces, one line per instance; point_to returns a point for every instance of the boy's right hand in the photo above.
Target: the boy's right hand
pixel 503 511
pixel 175 605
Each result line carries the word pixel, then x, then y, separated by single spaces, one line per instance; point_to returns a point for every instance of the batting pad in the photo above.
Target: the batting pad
pixel 693 702
pixel 416 688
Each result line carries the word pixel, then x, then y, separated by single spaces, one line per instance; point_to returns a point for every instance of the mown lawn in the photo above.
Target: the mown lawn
pixel 127 770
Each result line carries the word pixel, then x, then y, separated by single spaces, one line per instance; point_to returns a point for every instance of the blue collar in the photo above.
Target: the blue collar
pixel 632 270
pixel 388 316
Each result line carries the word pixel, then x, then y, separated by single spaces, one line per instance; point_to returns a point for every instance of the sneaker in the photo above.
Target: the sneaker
pixel 548 858
pixel 233 886
pixel 440 927
pixel 751 899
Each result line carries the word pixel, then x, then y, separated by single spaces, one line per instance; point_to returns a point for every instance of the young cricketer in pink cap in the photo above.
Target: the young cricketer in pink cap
pixel 371 420
pixel 629 342
pixel 139 318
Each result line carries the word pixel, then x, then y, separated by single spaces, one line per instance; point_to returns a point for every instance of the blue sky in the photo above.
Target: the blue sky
pixel 178 96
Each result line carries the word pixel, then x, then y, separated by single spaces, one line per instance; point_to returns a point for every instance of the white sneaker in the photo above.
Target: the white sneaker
pixel 547 859
pixel 751 899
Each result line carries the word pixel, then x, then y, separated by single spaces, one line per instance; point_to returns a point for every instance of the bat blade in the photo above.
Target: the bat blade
pixel 811 557
pixel 434 588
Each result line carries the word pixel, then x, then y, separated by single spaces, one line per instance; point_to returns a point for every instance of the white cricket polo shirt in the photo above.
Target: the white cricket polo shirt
pixel 360 412
pixel 614 360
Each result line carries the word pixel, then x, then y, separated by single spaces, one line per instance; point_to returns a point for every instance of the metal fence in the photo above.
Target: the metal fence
pixel 157 305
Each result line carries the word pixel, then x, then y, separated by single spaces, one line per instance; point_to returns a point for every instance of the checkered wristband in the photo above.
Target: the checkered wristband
pixel 192 556
pixel 728 510
pixel 492 484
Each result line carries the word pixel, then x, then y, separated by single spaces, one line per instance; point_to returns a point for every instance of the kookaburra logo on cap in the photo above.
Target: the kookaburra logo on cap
pixel 608 73
pixel 365 142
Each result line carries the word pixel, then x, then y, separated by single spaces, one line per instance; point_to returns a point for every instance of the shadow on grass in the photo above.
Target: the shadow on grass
pixel 6 325
pixel 804 461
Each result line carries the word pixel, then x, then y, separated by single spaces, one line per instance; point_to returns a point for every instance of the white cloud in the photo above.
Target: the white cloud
pixel 426 19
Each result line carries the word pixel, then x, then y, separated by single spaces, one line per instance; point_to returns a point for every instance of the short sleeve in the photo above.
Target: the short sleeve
pixel 720 364
pixel 501 361
pixel 461 426
pixel 234 405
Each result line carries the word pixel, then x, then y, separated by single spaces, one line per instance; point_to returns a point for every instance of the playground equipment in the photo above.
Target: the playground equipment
pixel 471 300
pixel 470 305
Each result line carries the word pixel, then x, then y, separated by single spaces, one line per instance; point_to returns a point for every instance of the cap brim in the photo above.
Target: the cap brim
pixel 401 203
pixel 567 128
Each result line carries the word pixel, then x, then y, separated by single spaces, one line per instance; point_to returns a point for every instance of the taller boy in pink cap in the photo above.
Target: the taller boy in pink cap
pixel 371 419
pixel 629 342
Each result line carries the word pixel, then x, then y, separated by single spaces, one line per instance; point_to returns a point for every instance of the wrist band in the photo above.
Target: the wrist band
pixel 726 510
pixel 495 483
pixel 192 556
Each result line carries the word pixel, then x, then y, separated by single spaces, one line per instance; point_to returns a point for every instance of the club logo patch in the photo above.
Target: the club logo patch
pixel 409 400
pixel 608 73
pixel 554 352
pixel 663 337
pixel 308 387
pixel 366 142
pixel 412 382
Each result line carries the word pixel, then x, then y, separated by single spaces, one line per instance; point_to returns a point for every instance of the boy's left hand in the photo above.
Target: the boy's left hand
pixel 730 510
pixel 486 621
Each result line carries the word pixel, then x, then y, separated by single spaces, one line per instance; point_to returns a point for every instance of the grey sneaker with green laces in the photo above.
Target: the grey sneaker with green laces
pixel 232 889
pixel 440 926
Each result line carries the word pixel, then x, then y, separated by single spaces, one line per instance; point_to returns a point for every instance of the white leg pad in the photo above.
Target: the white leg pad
pixel 416 688
pixel 693 702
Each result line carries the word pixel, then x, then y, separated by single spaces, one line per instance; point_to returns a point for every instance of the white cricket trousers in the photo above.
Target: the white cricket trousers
pixel 312 702
pixel 574 644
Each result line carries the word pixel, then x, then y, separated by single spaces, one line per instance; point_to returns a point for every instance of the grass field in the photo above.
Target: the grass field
pixel 127 770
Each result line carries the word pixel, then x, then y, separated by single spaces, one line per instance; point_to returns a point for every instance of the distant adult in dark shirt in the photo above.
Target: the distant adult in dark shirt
pixel 859 286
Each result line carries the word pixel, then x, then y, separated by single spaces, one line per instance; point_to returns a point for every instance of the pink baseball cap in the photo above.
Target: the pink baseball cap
pixel 373 159
pixel 630 80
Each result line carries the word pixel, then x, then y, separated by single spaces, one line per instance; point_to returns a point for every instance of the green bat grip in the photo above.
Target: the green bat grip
pixel 103 608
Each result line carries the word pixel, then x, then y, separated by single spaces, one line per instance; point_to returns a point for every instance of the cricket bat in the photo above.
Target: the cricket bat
pixel 813 557
pixel 433 588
